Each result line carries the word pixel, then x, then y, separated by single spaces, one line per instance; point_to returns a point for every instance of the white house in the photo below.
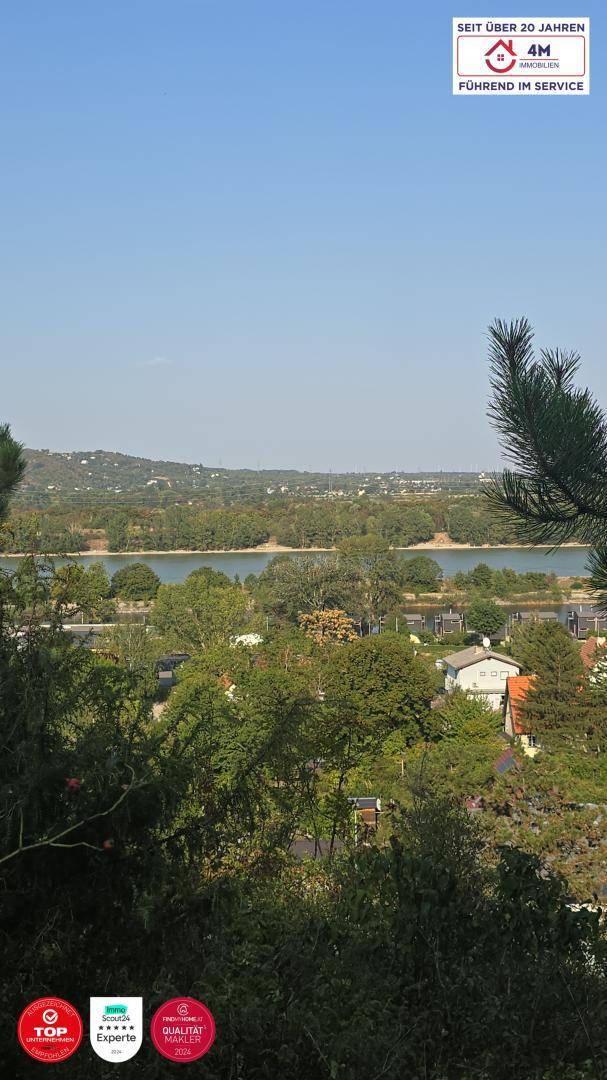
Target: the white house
pixel 480 671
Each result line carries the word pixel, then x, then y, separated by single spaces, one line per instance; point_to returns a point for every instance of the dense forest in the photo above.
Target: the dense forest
pixel 295 524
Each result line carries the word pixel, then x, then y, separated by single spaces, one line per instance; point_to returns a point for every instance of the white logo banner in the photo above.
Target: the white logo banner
pixel 116 1027
pixel 521 56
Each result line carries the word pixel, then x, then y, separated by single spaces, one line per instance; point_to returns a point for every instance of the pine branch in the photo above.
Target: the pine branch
pixel 556 436
pixel 12 467
pixel 597 564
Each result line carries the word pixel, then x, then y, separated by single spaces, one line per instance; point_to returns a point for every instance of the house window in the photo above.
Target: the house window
pixel 503 674
pixel 531 741
pixel 483 673
pixel 494 674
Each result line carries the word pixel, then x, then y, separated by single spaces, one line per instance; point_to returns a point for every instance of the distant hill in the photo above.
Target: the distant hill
pixel 106 471
pixel 92 475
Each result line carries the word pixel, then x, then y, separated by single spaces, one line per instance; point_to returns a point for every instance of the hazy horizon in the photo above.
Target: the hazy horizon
pixel 75 451
pixel 268 235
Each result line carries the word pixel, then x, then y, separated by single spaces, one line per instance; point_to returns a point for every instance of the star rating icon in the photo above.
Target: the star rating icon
pixel 117 1027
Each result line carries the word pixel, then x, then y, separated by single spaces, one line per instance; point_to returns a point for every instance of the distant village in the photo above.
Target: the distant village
pixel 100 472
pixel 479 670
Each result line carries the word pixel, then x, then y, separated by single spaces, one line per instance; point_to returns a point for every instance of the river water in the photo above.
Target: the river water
pixel 569 561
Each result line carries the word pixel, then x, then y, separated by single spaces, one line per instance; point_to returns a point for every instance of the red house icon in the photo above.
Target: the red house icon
pixel 505 56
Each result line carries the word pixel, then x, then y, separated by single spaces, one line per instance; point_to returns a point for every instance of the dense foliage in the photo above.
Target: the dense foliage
pixel 136 581
pixel 158 850
pixel 83 591
pixel 36 532
pixel 487 581
pixel 422 574
pixel 469 522
pixel 190 525
pixel 485 616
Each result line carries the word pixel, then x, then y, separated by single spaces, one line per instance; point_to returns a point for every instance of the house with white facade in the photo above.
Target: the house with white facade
pixel 479 671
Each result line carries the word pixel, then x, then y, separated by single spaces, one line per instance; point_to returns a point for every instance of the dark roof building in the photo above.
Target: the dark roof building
pixel 366 810
pixel 166 668
pixel 449 622
pixel 415 621
pixel 584 619
pixel 534 616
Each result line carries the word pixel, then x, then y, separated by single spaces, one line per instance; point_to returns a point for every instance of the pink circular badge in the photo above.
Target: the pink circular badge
pixel 183 1029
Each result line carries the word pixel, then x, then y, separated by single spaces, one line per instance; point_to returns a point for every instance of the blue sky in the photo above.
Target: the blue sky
pixel 266 233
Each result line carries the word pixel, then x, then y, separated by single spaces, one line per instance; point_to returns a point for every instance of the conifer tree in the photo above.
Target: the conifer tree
pixel 536 645
pixel 557 708
pixel 555 435
pixel 12 468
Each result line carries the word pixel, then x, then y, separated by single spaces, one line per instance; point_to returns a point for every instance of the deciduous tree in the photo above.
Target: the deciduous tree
pixel 135 581
pixel 291 585
pixel 85 589
pixel 485 616
pixel 330 625
pixel 193 615
pixel 422 574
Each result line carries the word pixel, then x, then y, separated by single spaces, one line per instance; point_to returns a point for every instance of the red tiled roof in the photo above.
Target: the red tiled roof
pixel 517 688
pixel 590 652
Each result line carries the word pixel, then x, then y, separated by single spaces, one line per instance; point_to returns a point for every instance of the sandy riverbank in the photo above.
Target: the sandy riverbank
pixel 281 549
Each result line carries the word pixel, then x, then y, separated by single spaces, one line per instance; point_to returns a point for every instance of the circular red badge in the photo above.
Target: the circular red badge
pixel 50 1029
pixel 183 1029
